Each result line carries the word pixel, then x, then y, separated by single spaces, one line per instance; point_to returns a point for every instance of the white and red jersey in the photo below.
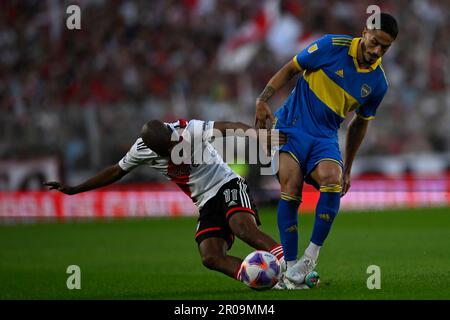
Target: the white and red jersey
pixel 200 180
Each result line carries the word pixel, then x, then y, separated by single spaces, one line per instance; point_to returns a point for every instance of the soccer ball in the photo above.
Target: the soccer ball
pixel 312 279
pixel 260 270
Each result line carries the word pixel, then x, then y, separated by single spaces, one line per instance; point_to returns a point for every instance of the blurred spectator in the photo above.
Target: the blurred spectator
pixel 85 94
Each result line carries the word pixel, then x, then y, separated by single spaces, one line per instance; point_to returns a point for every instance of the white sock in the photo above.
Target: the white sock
pixel 290 263
pixel 312 251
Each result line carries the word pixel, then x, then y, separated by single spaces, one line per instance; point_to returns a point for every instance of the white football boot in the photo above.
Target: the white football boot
pixel 300 269
pixel 283 265
pixel 286 284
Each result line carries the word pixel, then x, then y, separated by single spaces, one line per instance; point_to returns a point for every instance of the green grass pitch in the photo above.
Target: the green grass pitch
pixel 158 259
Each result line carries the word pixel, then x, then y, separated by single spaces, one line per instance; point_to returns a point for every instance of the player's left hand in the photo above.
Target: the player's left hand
pixel 54 185
pixel 346 183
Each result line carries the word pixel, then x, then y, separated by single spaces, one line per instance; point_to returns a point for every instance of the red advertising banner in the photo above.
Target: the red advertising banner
pixel 375 192
pixel 367 193
pixel 95 204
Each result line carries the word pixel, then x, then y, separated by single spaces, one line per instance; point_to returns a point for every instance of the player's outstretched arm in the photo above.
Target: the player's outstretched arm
pixel 101 179
pixel 223 126
pixel 272 137
pixel 355 135
pixel 283 76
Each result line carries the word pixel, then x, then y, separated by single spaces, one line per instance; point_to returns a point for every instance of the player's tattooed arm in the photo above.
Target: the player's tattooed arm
pixel 266 94
pixel 280 79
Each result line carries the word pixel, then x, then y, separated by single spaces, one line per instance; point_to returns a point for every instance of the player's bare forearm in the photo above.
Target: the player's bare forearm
pixel 355 135
pixel 231 127
pixel 279 80
pixel 101 179
pixel 239 129
pixel 263 112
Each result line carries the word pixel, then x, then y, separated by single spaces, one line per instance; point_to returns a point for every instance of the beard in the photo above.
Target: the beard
pixel 364 52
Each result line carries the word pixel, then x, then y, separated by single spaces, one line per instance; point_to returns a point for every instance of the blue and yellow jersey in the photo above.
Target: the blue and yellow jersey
pixel 332 86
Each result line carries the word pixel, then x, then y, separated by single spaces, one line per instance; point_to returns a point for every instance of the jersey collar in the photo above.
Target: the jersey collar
pixel 175 136
pixel 353 52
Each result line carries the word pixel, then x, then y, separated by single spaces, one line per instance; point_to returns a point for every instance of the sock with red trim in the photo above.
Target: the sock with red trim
pixel 278 252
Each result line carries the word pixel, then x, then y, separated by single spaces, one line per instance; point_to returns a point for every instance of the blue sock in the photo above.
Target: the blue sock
pixel 326 210
pixel 287 217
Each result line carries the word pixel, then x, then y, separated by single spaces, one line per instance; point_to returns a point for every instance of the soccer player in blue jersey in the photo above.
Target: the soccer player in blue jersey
pixel 341 74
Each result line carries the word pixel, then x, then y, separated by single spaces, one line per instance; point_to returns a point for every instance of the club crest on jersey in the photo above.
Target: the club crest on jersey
pixel 365 90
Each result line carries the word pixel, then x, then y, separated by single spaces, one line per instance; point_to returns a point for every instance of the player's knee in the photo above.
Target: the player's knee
pixel 211 261
pixel 291 185
pixel 329 177
pixel 242 228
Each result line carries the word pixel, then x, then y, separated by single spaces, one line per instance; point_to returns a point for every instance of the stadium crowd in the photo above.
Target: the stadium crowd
pixel 84 94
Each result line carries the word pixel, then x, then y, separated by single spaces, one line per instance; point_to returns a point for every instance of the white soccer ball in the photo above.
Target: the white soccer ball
pixel 260 270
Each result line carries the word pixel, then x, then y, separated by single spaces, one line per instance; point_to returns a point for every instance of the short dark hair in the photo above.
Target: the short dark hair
pixel 388 24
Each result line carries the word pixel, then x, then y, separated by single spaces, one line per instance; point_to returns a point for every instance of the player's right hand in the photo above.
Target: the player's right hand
pixel 263 113
pixel 53 185
pixel 346 183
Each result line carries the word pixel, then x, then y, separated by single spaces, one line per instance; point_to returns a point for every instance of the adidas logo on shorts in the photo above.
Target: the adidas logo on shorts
pixel 232 203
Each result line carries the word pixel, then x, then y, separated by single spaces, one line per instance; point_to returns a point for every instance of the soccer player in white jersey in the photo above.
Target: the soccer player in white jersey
pixel 225 205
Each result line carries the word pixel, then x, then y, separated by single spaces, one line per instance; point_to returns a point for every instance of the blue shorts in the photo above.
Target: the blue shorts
pixel 308 151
